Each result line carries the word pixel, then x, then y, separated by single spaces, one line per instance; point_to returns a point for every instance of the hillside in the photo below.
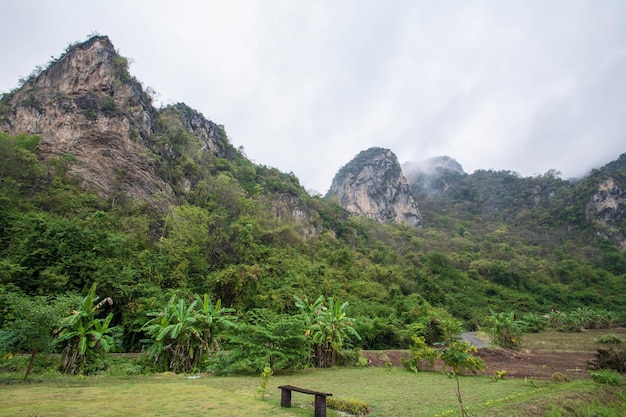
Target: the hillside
pixel 98 185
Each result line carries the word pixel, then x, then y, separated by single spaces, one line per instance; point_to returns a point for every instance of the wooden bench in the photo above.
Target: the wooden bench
pixel 320 398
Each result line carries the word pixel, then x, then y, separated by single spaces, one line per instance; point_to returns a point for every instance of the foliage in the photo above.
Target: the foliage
pixel 85 336
pixel 264 339
pixel 348 405
pixel 505 330
pixel 533 323
pixel 30 324
pixel 328 328
pixel 609 339
pixel 183 334
pixel 612 358
pixel 607 377
pixel 420 353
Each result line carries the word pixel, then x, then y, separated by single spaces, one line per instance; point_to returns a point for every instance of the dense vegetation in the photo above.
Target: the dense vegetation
pixel 230 264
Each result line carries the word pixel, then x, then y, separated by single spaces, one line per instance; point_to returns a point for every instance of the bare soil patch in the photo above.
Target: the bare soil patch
pixel 523 364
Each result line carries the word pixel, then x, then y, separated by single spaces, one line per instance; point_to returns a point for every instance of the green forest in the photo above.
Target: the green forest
pixel 242 269
pixel 228 261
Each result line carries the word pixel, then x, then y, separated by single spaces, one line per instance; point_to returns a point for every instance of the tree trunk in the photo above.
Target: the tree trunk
pixel 30 363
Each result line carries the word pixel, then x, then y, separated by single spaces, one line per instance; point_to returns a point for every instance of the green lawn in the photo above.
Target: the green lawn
pixel 390 393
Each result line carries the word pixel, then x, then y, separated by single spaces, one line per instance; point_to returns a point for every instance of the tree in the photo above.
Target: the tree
pixel 457 356
pixel 266 339
pixel 86 336
pixel 30 323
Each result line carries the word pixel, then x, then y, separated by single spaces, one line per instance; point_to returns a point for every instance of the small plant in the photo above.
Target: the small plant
pixel 607 377
pixel 265 377
pixel 530 380
pixel 420 353
pixel 498 375
pixel 362 362
pixel 350 406
pixel 388 366
pixel 609 339
pixel 559 377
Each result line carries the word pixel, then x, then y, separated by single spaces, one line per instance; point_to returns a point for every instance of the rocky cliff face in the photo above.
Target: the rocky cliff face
pixel 606 206
pixel 372 185
pixel 88 109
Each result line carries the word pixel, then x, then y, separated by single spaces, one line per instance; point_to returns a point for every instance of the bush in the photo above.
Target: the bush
pixel 354 407
pixel 421 355
pixel 559 377
pixel 613 358
pixel 607 377
pixel 609 339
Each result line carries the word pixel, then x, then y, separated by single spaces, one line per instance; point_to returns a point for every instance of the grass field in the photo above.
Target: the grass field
pixel 584 341
pixel 390 392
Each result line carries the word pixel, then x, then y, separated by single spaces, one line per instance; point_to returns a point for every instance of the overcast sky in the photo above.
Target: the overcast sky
pixel 305 85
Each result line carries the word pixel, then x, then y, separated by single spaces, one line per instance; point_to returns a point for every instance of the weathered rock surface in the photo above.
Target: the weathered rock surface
pixel 372 185
pixel 86 107
pixel 606 207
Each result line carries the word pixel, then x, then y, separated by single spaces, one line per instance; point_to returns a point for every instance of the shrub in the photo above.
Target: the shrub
pixel 108 105
pixel 354 407
pixel 421 355
pixel 609 339
pixel 559 377
pixel 613 358
pixel 607 377
pixel 362 362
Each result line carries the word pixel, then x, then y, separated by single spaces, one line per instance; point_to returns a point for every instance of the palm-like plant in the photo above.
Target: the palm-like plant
pixel 506 330
pixel 329 328
pixel 85 335
pixel 182 334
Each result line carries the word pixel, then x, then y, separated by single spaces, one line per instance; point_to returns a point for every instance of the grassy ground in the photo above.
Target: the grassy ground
pixel 394 392
pixel 584 341
pixel 390 392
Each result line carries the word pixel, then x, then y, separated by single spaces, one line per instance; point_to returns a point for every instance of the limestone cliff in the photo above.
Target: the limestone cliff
pixel 605 208
pixel 87 108
pixel 372 185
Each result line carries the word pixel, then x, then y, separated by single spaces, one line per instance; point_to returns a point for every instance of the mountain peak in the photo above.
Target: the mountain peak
pixel 372 185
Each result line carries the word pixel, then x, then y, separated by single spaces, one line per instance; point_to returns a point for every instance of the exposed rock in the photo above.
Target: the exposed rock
pixel 206 131
pixel 86 105
pixel 372 185
pixel 607 209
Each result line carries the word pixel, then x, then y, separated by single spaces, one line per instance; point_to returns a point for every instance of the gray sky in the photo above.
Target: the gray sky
pixel 304 86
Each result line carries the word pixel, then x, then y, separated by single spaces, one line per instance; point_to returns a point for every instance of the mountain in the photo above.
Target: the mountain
pixel 604 200
pixel 433 175
pixel 88 109
pixel 372 185
pixel 99 186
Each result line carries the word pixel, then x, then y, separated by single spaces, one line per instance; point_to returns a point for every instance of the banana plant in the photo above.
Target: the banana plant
pixel 183 333
pixel 85 336
pixel 329 328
